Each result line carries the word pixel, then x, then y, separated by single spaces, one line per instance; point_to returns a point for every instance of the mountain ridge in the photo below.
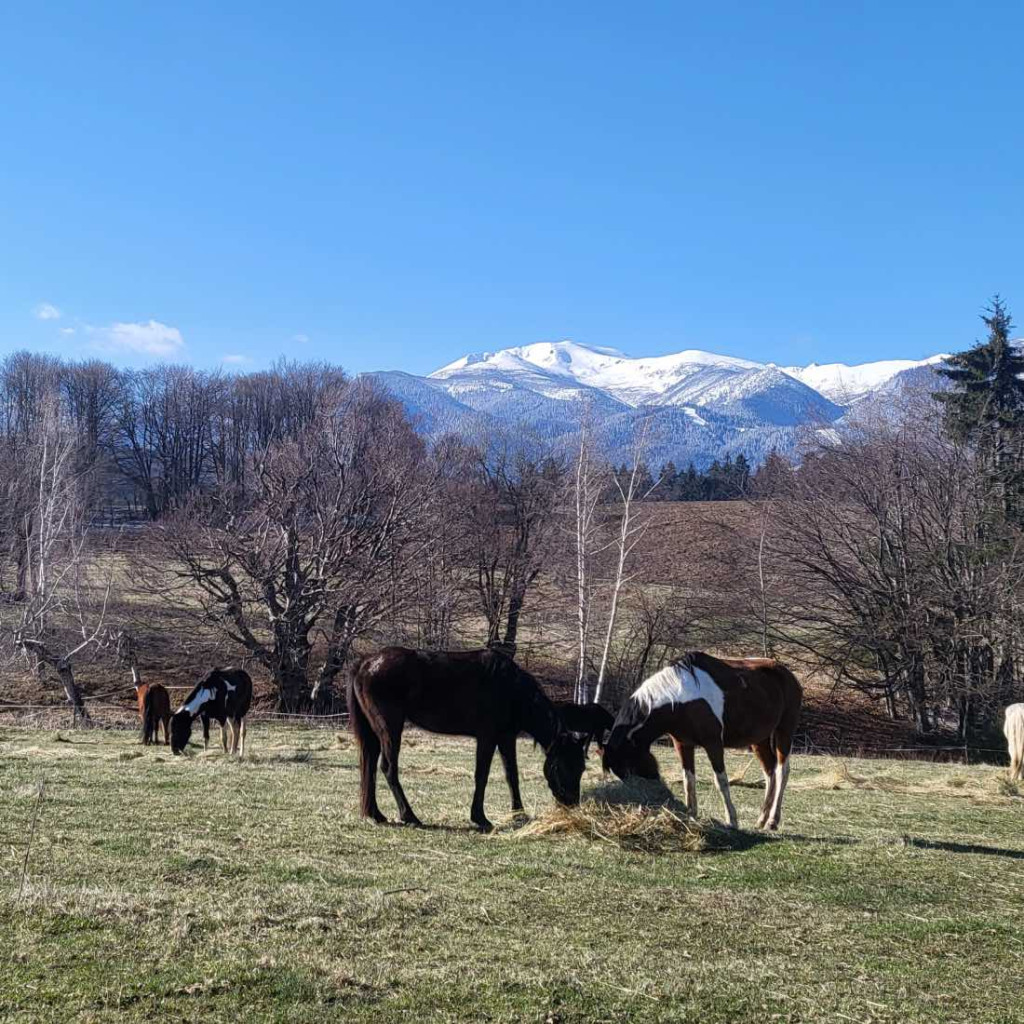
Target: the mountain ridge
pixel 702 405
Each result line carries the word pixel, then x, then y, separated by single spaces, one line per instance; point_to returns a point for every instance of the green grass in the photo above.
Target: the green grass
pixel 162 888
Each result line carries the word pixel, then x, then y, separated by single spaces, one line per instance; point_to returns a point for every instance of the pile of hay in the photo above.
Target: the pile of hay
pixel 637 814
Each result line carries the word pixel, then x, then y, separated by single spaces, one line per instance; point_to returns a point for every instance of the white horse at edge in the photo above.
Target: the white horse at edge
pixel 1013 729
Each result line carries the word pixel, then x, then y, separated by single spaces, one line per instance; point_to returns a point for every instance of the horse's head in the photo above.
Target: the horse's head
pixel 625 757
pixel 181 729
pixel 564 762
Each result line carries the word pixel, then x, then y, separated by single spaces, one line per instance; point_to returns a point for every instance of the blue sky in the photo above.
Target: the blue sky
pixel 393 185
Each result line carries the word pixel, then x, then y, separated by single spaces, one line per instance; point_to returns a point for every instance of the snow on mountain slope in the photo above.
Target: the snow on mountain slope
pixel 642 381
pixel 846 384
pixel 702 405
pixel 764 394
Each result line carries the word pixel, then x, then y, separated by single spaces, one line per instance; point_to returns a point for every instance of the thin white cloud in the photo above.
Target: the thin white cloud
pixel 67 330
pixel 234 359
pixel 300 339
pixel 46 311
pixel 149 339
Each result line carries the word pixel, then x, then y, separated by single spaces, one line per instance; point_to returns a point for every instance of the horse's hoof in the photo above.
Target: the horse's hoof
pixel 485 826
pixel 412 821
pixel 773 826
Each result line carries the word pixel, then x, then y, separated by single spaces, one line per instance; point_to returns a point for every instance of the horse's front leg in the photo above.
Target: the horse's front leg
pixel 206 731
pixel 507 749
pixel 716 755
pixel 484 756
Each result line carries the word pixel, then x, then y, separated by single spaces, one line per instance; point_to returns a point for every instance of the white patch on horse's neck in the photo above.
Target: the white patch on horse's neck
pixel 677 684
pixel 202 695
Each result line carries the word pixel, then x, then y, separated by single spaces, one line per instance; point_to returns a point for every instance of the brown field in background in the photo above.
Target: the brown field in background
pixel 685 549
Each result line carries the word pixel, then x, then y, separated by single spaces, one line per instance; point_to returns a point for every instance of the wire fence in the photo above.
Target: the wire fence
pixel 105 714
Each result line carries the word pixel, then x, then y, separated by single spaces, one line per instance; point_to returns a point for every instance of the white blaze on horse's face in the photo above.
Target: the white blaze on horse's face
pixel 679 684
pixel 201 697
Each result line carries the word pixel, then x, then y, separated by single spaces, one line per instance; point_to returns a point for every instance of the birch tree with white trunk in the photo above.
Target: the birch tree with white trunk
pixel 633 526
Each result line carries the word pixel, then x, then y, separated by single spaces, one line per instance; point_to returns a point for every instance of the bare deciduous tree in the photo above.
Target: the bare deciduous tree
pixel 311 535
pixel 631 488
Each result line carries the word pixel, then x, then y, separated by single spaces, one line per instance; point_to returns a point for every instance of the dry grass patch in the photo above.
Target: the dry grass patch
pixel 979 786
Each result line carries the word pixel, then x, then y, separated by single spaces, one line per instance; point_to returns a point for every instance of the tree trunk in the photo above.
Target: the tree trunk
pixel 515 608
pixel 324 695
pixel 74 695
pixel 292 688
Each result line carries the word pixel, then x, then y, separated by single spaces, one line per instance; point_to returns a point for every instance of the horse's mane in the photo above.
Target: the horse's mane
pixel 539 716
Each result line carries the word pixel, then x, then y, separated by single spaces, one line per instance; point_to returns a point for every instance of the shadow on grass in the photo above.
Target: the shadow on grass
pixel 975 848
pixel 430 826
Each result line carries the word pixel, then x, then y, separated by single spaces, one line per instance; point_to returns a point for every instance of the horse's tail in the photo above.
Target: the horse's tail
pixel 367 741
pixel 793 697
pixel 149 717
pixel 1013 729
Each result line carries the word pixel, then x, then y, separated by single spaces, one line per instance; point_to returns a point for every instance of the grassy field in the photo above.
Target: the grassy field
pixel 195 888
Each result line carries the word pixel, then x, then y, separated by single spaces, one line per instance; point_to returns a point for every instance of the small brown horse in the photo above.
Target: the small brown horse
pixel 701 701
pixel 154 711
pixel 483 694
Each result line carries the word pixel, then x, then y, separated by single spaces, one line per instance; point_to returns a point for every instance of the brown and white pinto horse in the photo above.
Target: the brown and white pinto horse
pixel 701 701
pixel 154 711
pixel 224 695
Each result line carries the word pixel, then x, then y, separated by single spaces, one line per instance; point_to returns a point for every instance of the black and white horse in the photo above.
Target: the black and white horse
pixel 224 695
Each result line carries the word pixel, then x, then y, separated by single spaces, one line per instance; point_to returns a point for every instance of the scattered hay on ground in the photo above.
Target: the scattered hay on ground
pixel 993 788
pixel 637 814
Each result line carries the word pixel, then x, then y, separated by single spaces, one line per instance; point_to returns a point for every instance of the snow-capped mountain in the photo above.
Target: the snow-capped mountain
pixel 846 384
pixel 703 405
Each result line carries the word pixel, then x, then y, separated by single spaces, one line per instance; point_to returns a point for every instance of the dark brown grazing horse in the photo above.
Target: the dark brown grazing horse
pixel 154 711
pixel 701 701
pixel 483 694
pixel 589 721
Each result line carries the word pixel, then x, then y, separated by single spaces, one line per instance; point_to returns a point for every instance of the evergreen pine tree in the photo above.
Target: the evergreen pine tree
pixel 741 475
pixel 985 404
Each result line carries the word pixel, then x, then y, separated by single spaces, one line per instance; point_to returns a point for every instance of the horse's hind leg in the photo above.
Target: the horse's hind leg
pixel 369 755
pixel 391 744
pixel 240 726
pixel 716 755
pixel 224 726
pixel 507 749
pixel 484 756
pixel 783 744
pixel 685 752
pixel 766 755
